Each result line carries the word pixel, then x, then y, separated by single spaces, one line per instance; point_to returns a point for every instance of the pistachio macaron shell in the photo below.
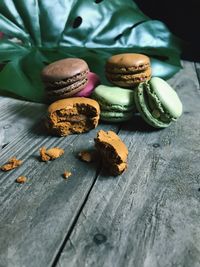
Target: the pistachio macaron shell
pixel 114 97
pixel 157 102
pixel 167 97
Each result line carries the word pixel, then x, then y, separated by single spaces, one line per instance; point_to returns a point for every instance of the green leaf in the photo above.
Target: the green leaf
pixel 93 30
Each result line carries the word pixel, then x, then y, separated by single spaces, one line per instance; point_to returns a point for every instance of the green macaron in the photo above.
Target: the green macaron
pixel 157 102
pixel 116 104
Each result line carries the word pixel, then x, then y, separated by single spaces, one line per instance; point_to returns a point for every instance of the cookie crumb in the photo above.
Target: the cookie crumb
pixel 50 154
pixel 86 156
pixel 11 164
pixel 67 174
pixel 21 179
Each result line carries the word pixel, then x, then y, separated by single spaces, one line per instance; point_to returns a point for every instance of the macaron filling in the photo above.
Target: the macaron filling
pixel 68 81
pixel 68 88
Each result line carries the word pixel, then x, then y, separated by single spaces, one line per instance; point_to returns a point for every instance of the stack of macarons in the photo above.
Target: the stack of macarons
pixel 68 77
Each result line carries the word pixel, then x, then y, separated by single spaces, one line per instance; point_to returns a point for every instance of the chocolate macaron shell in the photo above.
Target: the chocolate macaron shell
pixel 67 91
pixel 65 82
pixel 63 69
pixel 64 78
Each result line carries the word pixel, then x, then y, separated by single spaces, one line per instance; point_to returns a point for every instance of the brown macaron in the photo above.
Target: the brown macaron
pixel 72 115
pixel 128 70
pixel 113 151
pixel 64 78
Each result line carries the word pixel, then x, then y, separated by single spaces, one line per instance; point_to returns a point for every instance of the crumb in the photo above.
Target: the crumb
pixel 50 154
pixel 21 179
pixel 87 156
pixel 11 164
pixel 66 174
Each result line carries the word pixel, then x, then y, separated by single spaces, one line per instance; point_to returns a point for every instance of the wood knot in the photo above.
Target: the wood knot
pixel 99 239
pixel 156 145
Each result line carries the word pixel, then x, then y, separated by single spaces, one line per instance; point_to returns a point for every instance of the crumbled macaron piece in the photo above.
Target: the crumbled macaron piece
pixel 21 180
pixel 11 164
pixel 113 152
pixel 85 156
pixel 50 154
pixel 67 174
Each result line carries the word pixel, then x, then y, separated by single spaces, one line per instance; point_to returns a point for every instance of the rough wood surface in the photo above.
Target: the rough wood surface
pixel 36 216
pixel 16 118
pixel 149 216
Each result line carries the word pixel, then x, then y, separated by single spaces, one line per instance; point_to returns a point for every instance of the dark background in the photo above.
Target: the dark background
pixel 181 17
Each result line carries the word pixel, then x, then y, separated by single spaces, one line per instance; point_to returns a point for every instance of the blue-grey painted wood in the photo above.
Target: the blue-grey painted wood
pixel 17 117
pixel 35 217
pixel 149 216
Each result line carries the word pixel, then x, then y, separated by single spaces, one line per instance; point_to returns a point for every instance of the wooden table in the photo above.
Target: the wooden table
pixel 147 217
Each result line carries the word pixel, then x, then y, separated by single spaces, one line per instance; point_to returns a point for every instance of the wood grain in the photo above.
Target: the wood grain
pixel 17 117
pixel 35 217
pixel 149 216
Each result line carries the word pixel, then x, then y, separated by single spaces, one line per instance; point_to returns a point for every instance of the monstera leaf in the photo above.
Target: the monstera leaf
pixel 37 32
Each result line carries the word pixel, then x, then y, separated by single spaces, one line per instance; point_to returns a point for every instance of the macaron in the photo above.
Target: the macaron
pixel 113 152
pixel 116 104
pixel 93 81
pixel 64 78
pixel 128 70
pixel 72 115
pixel 158 103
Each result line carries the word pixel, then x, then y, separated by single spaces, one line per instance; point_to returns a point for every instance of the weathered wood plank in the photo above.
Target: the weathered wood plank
pixel 16 118
pixel 35 217
pixel 149 216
